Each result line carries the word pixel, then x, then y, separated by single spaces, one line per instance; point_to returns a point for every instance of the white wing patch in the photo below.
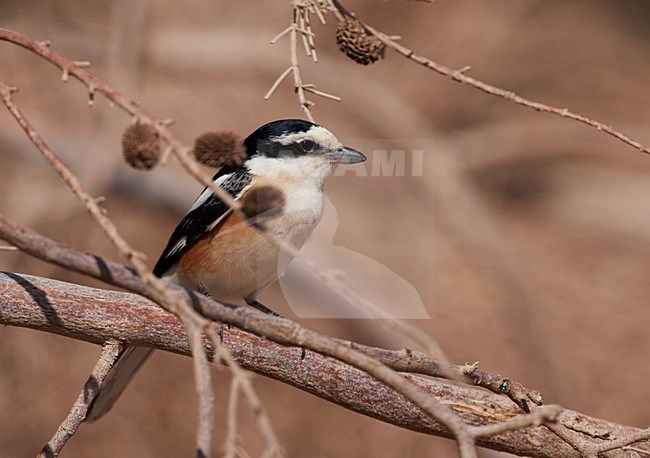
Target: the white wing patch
pixel 201 199
pixel 179 246
pixel 217 221
pixel 205 195
pixel 228 212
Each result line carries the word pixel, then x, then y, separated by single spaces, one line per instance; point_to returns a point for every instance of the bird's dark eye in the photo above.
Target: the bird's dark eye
pixel 307 146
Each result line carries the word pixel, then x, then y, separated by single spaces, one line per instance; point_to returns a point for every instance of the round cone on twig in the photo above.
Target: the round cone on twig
pixel 263 202
pixel 141 146
pixel 220 149
pixel 356 43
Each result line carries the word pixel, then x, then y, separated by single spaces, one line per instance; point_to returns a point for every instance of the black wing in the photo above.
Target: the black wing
pixel 202 217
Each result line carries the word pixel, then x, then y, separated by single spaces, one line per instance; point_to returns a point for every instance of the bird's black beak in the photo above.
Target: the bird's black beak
pixel 346 155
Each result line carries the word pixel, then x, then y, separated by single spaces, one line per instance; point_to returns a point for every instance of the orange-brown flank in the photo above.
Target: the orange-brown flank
pixel 233 260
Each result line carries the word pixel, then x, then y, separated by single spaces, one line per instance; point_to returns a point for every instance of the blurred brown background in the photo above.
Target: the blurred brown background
pixel 527 237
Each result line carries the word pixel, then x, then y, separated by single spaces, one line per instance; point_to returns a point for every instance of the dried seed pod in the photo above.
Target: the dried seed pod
pixel 141 146
pixel 220 149
pixel 263 201
pixel 357 44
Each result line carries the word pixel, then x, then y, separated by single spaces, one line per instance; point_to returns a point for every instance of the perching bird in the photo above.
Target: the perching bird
pixel 214 252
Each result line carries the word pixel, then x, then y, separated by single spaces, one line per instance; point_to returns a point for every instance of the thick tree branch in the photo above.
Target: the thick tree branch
pixel 96 315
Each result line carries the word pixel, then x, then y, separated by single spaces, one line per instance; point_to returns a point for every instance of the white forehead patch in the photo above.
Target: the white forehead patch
pixel 317 134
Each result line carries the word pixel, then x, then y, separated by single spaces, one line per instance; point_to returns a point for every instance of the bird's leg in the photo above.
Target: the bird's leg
pixel 263 308
pixel 203 290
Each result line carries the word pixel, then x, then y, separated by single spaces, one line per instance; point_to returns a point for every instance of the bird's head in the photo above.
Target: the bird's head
pixel 289 139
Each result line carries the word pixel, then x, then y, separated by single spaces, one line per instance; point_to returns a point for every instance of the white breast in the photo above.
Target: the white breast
pixel 301 180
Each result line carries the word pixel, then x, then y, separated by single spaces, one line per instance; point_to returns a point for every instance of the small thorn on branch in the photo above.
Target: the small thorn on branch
pixel 468 368
pixel 134 254
pixel 166 154
pixel 81 63
pixel 166 122
pixel 461 71
pixel 91 96
pixel 280 35
pixel 320 15
pixel 310 88
pixel 305 32
pixel 277 82
pixel 100 200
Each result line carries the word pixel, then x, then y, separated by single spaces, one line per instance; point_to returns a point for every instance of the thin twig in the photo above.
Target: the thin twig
pixel 540 416
pixel 277 83
pixel 230 446
pixel 301 24
pixel 303 29
pixel 310 36
pixel 295 67
pixel 622 442
pixel 586 446
pixel 280 35
pixel 459 76
pixel 203 378
pixel 326 95
pixel 79 410
pixel 415 362
pixel 318 9
pixel 243 381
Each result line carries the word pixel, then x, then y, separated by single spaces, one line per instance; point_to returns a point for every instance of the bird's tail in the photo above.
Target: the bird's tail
pixel 126 366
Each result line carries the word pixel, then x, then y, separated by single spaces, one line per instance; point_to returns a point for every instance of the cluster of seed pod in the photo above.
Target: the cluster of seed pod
pixel 356 43
pixel 141 148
